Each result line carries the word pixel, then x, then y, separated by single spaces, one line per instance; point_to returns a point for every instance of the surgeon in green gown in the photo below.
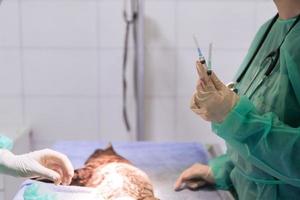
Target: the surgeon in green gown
pixel 261 121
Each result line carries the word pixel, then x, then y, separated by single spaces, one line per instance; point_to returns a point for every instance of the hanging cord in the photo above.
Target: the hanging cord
pixel 130 21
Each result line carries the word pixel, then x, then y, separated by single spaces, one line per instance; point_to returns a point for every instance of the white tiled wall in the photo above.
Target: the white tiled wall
pixel 160 23
pixel 160 70
pixel 111 122
pixel 54 23
pixel 10 73
pixel 110 72
pixel 10 24
pixel 11 113
pixel 62 117
pixel 60 72
pixel 60 64
pixel 111 23
pixel 160 118
pixel 221 23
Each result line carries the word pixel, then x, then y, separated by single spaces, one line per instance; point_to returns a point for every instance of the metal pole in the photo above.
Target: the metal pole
pixel 140 121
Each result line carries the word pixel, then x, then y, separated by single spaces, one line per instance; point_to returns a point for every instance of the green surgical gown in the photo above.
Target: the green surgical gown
pixel 262 132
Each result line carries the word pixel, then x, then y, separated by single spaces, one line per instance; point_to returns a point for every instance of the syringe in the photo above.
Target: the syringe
pixel 209 65
pixel 201 57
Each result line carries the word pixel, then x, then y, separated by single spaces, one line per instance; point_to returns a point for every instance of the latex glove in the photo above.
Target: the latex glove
pixel 212 99
pixel 195 177
pixel 45 163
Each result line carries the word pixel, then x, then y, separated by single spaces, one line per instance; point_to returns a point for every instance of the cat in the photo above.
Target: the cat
pixel 114 177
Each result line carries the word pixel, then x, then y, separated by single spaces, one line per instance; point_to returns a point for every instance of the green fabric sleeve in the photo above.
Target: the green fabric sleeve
pixel 221 167
pixel 263 140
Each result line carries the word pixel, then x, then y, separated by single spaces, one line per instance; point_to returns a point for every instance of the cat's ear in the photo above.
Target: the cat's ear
pixel 110 147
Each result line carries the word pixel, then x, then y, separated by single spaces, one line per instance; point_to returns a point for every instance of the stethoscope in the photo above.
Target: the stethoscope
pixel 273 56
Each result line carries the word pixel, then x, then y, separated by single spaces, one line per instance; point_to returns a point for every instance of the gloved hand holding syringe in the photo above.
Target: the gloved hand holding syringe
pixel 201 57
pixel 212 100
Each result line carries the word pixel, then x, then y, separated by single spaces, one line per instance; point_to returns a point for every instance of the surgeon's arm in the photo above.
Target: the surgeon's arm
pixel 264 140
pixel 221 167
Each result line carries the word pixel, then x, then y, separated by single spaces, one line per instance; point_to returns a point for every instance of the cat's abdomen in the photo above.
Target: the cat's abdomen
pixel 122 180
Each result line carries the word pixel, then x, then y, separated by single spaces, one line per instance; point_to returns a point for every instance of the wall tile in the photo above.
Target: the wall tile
pixel 111 119
pixel 61 23
pixel 211 21
pixel 10 114
pixel 186 72
pixel 111 72
pixel 112 24
pixel 55 118
pixel 10 72
pixel 9 24
pixel 160 23
pixel 160 119
pixel 60 72
pixel 160 72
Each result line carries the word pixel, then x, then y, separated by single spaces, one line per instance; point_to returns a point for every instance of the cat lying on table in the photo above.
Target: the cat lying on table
pixel 114 177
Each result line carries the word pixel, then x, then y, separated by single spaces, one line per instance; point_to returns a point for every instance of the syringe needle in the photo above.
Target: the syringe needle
pixel 209 67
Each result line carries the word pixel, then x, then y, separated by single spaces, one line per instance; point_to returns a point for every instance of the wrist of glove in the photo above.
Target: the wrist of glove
pixel 45 164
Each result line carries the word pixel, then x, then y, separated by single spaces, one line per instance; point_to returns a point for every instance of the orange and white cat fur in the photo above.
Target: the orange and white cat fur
pixel 114 177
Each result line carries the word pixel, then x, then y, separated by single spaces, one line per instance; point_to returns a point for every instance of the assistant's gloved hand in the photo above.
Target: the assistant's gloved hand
pixel 212 99
pixel 45 163
pixel 195 177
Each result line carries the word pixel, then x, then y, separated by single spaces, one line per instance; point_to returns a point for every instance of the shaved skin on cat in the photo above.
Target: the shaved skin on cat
pixel 113 176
